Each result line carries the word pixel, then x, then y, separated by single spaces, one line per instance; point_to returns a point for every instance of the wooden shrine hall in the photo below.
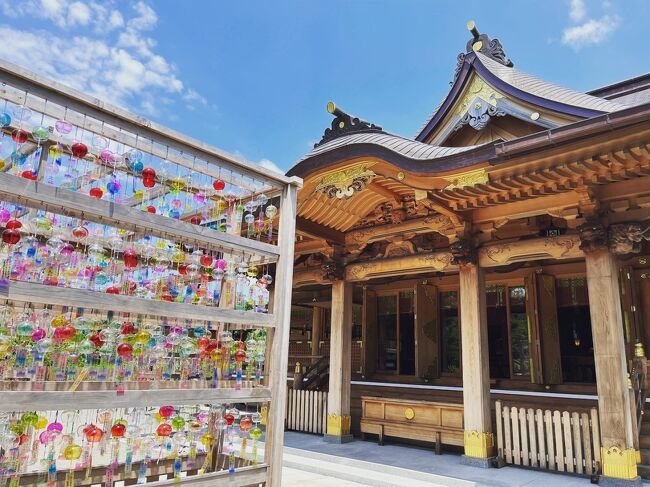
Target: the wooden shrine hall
pixel 485 284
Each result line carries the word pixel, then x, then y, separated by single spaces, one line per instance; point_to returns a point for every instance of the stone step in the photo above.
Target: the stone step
pixel 366 473
pixel 643 471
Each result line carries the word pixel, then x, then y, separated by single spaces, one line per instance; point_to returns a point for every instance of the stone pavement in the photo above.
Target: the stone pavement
pixel 292 477
pixel 367 463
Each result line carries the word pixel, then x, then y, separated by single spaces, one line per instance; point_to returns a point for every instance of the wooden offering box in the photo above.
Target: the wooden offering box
pixel 418 420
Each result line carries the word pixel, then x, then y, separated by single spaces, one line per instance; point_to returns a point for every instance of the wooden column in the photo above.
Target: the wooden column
pixel 479 440
pixel 279 357
pixel 338 397
pixel 617 451
pixel 316 330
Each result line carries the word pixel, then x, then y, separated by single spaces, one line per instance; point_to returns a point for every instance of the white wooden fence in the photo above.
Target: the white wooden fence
pixel 306 411
pixel 554 440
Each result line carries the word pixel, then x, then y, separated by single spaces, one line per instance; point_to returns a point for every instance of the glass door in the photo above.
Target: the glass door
pixel 396 332
pixel 387 336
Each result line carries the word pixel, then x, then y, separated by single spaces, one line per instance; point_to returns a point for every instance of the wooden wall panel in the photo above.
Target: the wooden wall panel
pixel 427 332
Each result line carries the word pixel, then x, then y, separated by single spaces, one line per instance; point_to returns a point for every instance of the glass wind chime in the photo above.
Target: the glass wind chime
pixel 61 154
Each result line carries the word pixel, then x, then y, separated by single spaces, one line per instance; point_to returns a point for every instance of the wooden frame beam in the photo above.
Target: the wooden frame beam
pixel 312 246
pixel 316 230
pixel 385 192
pixel 525 208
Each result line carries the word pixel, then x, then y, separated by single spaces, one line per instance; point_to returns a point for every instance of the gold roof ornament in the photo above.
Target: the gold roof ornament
pixel 345 183
pixel 470 178
pixel 477 89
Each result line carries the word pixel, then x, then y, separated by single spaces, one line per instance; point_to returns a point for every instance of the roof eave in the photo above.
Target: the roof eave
pixel 494 153
pixel 425 167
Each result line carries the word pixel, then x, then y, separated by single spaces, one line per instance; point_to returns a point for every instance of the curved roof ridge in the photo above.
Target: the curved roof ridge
pixel 519 85
pixel 396 143
pixel 546 89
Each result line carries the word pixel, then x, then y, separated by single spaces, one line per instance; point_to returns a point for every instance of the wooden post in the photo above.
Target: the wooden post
pixel 479 439
pixel 617 448
pixel 279 359
pixel 316 327
pixel 338 397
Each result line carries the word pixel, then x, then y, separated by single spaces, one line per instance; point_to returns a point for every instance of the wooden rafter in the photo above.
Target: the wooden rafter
pixel 315 230
pixel 606 168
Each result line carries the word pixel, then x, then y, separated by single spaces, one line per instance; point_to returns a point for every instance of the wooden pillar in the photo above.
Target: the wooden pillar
pixel 338 397
pixel 278 359
pixel 479 440
pixel 619 457
pixel 316 331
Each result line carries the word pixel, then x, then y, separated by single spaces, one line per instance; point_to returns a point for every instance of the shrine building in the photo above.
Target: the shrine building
pixel 457 286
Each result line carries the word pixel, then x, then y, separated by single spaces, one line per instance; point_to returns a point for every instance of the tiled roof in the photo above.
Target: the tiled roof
pixel 400 145
pixel 635 99
pixel 544 89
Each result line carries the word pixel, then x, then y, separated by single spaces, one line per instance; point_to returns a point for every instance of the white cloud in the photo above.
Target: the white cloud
pixel 270 165
pixel 146 19
pixel 577 10
pixel 79 12
pixel 193 98
pixel 115 19
pixel 97 49
pixel 588 30
pixel 593 31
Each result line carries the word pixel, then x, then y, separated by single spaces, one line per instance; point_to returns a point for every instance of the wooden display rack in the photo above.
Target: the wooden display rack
pixel 44 96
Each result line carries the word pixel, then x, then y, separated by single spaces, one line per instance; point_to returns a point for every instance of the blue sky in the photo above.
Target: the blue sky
pixel 253 77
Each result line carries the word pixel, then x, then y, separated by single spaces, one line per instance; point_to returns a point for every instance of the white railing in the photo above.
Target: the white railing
pixel 306 411
pixel 553 440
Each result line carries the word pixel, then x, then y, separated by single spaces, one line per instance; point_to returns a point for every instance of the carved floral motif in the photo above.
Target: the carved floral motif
pixel 494 251
pixel 479 114
pixel 626 238
pixel 562 247
pixel 437 261
pixel 343 184
pixel 565 243
pixel 468 179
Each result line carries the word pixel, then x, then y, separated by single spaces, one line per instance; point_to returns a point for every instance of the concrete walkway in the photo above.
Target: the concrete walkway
pixel 393 465
pixel 292 477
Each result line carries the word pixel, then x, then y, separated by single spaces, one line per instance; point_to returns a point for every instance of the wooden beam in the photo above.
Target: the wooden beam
pixel 525 208
pixel 97 399
pixel 305 276
pixel 42 196
pixel 621 189
pixel 30 292
pixel 316 230
pixel 385 192
pixel 312 246
pixel 356 240
pixel 400 266
pixel 557 248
